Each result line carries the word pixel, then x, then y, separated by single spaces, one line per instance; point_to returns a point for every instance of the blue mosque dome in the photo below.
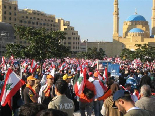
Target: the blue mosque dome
pixel 136 30
pixel 136 18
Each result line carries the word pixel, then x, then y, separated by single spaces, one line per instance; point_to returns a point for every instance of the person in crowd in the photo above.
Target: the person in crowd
pixel 61 102
pixel 108 92
pixel 124 103
pixel 99 92
pixel 69 91
pixel 52 112
pixel 30 95
pixel 31 109
pixel 107 109
pixel 131 80
pixel 145 79
pixel 146 101
pixel 47 92
pixel 86 102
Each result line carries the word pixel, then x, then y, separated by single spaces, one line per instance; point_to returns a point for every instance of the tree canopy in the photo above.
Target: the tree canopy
pixel 92 53
pixel 145 52
pixel 43 44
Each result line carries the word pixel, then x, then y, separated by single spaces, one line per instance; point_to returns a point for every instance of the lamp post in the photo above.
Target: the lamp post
pixel 86 45
pixel 98 46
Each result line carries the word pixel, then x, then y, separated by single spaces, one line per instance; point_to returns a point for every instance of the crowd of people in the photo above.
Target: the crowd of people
pixel 50 91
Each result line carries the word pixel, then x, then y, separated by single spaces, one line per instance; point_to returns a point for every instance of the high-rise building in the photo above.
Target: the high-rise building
pixel 10 13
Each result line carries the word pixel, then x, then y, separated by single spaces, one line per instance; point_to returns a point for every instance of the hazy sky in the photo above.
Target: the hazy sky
pixel 93 19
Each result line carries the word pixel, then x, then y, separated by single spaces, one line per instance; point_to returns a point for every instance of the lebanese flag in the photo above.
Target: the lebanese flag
pixel 11 85
pixel 79 85
pixel 105 75
pixel 24 65
pixel 33 66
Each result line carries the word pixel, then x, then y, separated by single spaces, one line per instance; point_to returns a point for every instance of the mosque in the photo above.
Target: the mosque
pixel 135 31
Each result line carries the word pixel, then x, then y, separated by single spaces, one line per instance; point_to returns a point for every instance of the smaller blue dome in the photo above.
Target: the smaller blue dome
pixel 136 18
pixel 136 30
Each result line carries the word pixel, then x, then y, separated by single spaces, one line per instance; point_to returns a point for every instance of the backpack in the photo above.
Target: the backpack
pixel 88 93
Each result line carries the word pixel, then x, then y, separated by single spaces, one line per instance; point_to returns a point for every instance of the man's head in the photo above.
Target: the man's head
pixel 67 78
pixel 122 100
pixel 50 79
pixel 31 109
pixel 60 87
pixel 31 80
pixel 145 91
pixel 128 86
pixel 96 75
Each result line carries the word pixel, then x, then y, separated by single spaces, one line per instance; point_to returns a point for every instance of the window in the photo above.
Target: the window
pixel 10 7
pixel 4 17
pixel 22 16
pixel 29 22
pixel 65 28
pixel 20 21
pixel 4 7
pixel 69 42
pixel 15 13
pixel 15 19
pixel 36 23
pixel 4 12
pixel 38 19
pixel 51 20
pixel 51 24
pixel 69 38
pixel 27 17
pixel 25 21
pixel 9 13
pixel 73 42
pixel 73 38
pixel 30 17
pixel 15 8
pixel 33 23
pixel 34 18
pixel 10 18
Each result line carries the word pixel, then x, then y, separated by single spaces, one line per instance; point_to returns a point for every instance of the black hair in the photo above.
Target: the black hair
pixel 52 112
pixel 127 97
pixel 61 86
pixel 31 109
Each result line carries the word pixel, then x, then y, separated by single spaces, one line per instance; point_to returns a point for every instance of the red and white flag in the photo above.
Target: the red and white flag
pixel 79 85
pixel 33 66
pixel 105 75
pixel 11 85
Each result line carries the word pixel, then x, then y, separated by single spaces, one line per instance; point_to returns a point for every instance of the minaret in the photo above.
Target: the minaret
pixel 116 21
pixel 153 18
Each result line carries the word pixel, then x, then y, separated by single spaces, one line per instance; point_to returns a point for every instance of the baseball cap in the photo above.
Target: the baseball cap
pixel 65 77
pixel 49 77
pixel 96 74
pixel 31 78
pixel 120 93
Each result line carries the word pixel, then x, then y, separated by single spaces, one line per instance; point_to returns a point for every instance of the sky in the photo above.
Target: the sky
pixel 93 19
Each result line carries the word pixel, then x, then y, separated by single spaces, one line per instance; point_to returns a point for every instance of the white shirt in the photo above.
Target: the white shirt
pixel 133 108
pixel 99 89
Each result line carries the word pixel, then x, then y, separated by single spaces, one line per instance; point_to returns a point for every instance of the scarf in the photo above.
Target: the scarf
pixel 28 86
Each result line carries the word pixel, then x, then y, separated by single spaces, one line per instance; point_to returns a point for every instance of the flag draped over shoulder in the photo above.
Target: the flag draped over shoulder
pixel 11 85
pixel 80 83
